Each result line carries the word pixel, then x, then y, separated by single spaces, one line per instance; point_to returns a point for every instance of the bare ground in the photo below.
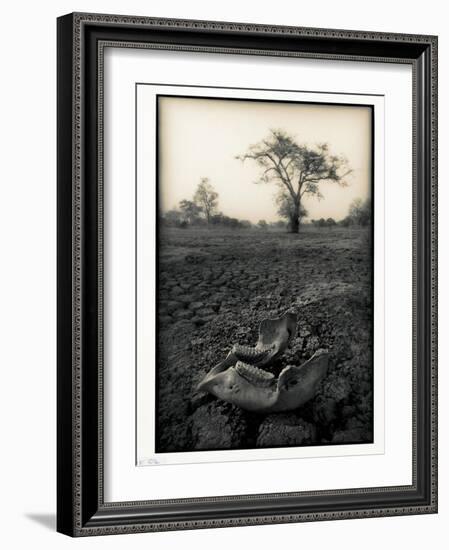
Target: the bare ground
pixel 215 287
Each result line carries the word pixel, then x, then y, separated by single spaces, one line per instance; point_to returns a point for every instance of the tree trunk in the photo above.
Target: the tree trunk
pixel 294 225
pixel 294 220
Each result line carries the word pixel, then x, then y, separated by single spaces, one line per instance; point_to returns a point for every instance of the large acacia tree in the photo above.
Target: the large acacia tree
pixel 296 169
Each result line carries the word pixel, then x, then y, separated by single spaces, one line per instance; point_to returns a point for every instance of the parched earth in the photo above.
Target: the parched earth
pixel 214 290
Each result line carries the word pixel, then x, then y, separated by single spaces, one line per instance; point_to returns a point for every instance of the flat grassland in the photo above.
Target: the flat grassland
pixel 215 286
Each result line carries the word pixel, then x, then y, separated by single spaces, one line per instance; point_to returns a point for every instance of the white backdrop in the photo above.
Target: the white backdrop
pixel 28 305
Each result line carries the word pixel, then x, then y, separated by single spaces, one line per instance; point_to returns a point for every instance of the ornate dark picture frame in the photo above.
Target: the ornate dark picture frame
pixel 81 509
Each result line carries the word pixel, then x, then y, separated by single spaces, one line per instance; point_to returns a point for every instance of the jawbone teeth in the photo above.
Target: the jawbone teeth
pixel 250 354
pixel 258 377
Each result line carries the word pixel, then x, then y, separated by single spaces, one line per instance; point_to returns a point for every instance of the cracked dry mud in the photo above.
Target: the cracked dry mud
pixel 215 287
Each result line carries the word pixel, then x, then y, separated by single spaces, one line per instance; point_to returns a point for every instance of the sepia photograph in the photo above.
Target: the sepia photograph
pixel 265 277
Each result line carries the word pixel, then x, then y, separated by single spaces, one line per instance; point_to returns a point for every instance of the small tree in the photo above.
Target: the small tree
pixel 206 198
pixel 232 222
pixel 190 211
pixel 246 224
pixel 173 218
pixel 217 218
pixel 262 224
pixel 360 212
pixel 298 170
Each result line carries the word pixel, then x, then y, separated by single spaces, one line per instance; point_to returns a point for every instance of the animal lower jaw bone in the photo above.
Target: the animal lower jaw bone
pixel 256 390
pixel 240 380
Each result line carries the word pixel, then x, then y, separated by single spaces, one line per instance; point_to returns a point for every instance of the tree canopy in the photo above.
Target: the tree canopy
pixel 297 170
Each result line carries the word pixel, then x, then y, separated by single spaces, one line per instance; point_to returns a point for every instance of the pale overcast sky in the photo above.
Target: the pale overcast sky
pixel 201 137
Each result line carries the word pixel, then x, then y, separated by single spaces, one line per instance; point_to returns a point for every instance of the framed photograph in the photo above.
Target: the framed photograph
pixel 247 279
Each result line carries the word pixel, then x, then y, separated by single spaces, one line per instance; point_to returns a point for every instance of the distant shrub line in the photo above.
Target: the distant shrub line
pixel 202 210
